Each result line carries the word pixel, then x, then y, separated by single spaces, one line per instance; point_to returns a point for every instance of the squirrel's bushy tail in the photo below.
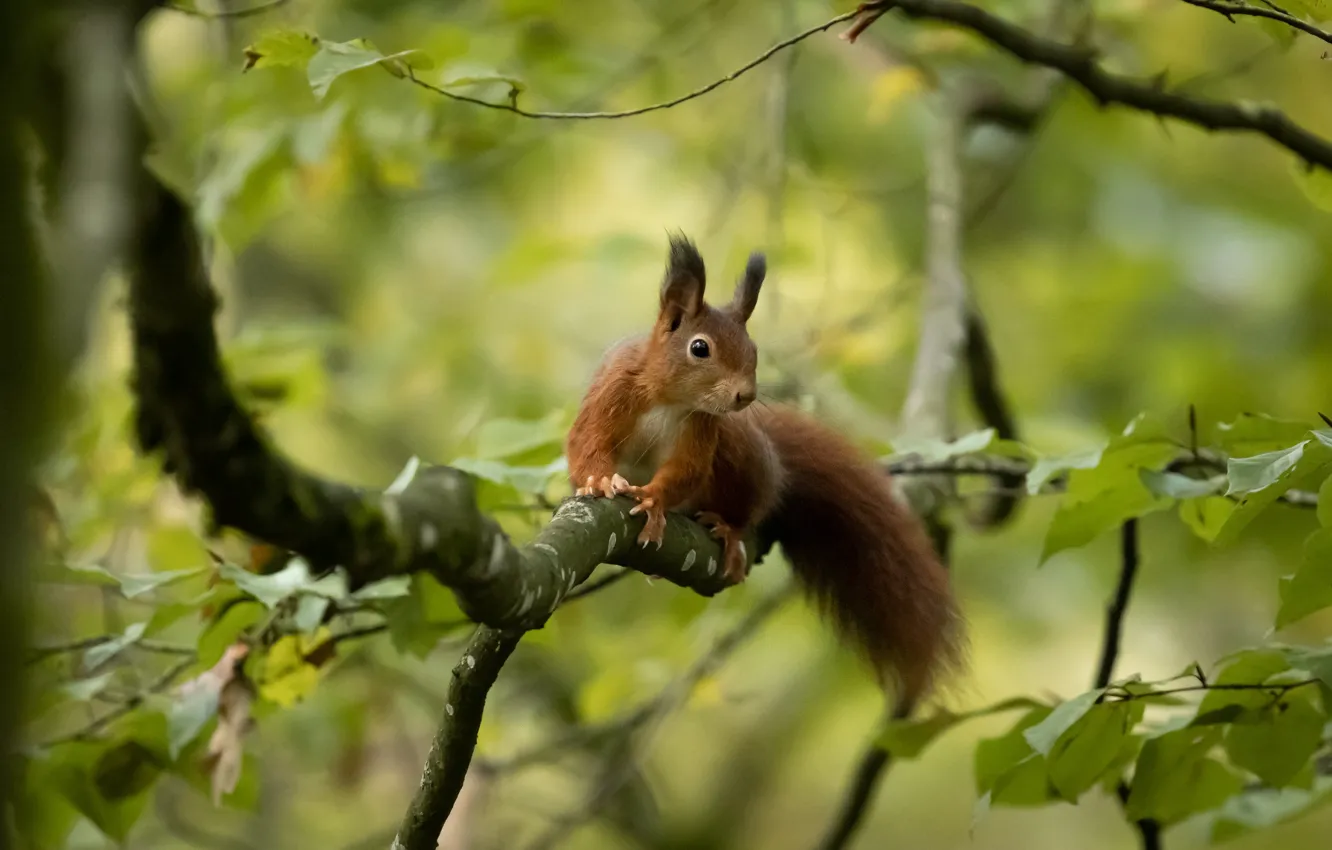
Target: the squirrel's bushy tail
pixel 862 557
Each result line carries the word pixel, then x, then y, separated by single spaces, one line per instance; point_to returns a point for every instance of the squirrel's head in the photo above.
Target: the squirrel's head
pixel 707 359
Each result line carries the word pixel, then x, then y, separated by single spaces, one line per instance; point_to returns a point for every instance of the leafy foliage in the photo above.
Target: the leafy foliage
pixel 327 179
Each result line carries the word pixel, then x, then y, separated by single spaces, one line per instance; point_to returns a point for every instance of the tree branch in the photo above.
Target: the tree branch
pixel 1149 831
pixel 1114 616
pixel 40 653
pixel 1079 64
pixel 187 410
pixel 988 399
pixel 1230 9
pixel 451 752
pixel 684 98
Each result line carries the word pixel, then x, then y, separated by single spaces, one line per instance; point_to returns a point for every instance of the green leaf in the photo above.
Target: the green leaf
pixel 103 652
pixel 336 58
pixel 84 690
pixel 936 451
pixel 130 586
pixel 1009 771
pixel 224 631
pixel 908 738
pixel 83 771
pixel 1207 516
pixel 188 716
pixel 1047 468
pixel 1264 808
pixel 1315 10
pixel 524 479
pixel 1263 479
pixel 1276 743
pixel 1103 496
pixel 293 578
pixel 1076 524
pixel 310 612
pixel 515 85
pixel 1309 589
pixel 1250 474
pixel 512 85
pixel 1317 662
pixel 1176 486
pixel 1043 735
pixel 315 136
pixel 1175 779
pixel 282 49
pixel 1247 667
pixel 1254 433
pixel 244 185
pixel 1314 181
pixel 417 621
pixel 1091 747
pixel 389 588
pixel 43 816
pixel 498 439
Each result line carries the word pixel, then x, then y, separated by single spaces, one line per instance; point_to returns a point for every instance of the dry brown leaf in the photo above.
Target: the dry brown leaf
pixel 225 748
pixel 235 696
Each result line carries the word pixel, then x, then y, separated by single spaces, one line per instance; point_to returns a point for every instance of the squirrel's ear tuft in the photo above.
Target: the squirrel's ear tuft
pixel 682 287
pixel 747 288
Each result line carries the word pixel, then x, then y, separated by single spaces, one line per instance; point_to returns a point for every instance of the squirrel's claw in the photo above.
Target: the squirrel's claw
pixel 609 487
pixel 655 530
pixel 735 560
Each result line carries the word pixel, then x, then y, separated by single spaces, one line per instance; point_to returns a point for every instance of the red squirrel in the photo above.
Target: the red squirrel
pixel 674 409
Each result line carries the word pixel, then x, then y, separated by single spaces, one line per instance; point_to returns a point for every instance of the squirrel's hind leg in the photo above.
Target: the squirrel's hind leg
pixel 735 560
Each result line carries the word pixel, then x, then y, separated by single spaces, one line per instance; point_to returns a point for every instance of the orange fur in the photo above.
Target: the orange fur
pixel 656 411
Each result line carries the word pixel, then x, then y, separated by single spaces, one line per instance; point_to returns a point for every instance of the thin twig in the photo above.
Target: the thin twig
pixel 1228 9
pixel 1279 690
pixel 987 396
pixel 160 684
pixel 696 93
pixel 1079 64
pixel 1114 617
pixel 1149 831
pixel 40 653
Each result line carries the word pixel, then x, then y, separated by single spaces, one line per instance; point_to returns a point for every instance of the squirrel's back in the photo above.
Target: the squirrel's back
pixel 864 559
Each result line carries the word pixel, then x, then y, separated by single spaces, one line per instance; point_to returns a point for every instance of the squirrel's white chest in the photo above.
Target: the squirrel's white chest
pixel 651 443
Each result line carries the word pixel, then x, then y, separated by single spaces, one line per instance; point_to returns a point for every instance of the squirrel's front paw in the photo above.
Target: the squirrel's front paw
pixel 609 487
pixel 655 530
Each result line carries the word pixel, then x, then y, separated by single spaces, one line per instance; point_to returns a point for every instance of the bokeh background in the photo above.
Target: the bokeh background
pixel 400 272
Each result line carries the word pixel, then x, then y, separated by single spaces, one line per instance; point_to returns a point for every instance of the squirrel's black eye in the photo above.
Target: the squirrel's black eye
pixel 699 348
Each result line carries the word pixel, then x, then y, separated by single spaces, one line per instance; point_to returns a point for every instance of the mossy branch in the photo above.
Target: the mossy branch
pixel 188 412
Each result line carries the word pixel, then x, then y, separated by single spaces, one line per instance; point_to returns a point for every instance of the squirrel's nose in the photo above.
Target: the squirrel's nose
pixel 743 400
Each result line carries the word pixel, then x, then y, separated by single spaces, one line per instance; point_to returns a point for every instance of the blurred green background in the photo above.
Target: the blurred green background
pixel 400 272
